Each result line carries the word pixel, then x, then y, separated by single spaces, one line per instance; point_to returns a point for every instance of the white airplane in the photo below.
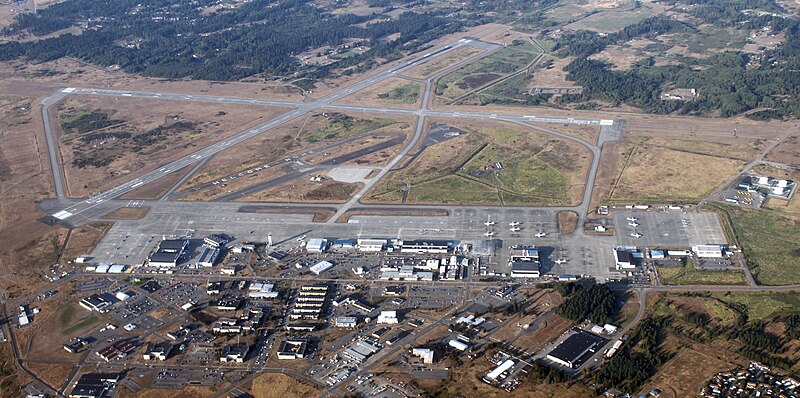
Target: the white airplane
pixel 514 229
pixel 488 234
pixel 561 261
pixel 489 221
pixel 513 224
pixel 632 219
pixel 633 224
pixel 636 235
pixel 540 234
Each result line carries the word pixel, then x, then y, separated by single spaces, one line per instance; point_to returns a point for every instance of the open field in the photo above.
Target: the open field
pixel 103 142
pixel 624 56
pixel 451 58
pixel 613 20
pixel 393 91
pixel 53 374
pixel 485 70
pixel 658 175
pixel 492 163
pixel 760 306
pixel 278 385
pixel 567 221
pixel 769 243
pixel 158 188
pixel 686 373
pixel 688 275
pixel 787 152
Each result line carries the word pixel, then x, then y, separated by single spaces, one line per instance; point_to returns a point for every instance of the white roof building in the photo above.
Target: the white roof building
pixel 707 251
pixel 388 317
pixel 321 267
pixel 425 353
pixel 316 245
pixel 458 344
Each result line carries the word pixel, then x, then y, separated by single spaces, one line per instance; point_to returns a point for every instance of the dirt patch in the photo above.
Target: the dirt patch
pixel 567 221
pixel 686 373
pixel 52 374
pixel 128 213
pixel 551 73
pixel 787 152
pixel 185 392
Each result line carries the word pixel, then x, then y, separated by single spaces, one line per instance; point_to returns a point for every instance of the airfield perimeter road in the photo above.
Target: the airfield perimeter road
pixel 300 108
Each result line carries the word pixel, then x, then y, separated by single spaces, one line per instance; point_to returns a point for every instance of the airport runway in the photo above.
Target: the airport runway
pixel 77 212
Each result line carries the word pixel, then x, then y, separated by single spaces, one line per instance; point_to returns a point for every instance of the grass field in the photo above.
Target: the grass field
pixel 80 325
pixel 278 385
pixel 770 245
pixel 476 74
pixel 688 275
pixel 657 175
pixel 759 306
pixel 342 126
pixel 406 94
pixel 613 20
pixel 491 164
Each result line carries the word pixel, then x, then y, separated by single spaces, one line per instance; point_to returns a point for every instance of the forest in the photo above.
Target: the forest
pixel 594 302
pixel 173 39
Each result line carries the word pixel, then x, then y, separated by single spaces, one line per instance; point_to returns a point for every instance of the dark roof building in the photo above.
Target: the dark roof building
pixel 570 352
pixel 94 385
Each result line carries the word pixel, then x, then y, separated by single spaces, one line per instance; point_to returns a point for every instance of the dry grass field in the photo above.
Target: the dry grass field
pixel 128 213
pixel 686 373
pixel 787 152
pixel 394 91
pixel 278 385
pixel 129 137
pixel 658 175
pixel 451 58
pixel 185 392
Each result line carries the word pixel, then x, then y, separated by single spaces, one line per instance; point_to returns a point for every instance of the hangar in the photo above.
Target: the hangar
pixel 573 348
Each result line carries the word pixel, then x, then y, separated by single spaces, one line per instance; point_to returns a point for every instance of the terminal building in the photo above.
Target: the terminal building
pixel 570 352
pixel 524 262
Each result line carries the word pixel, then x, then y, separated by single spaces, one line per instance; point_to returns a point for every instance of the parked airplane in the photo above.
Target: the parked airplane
pixel 488 234
pixel 514 229
pixel 489 221
pixel 561 261
pixel 632 219
pixel 540 234
pixel 636 235
pixel 633 224
pixel 513 224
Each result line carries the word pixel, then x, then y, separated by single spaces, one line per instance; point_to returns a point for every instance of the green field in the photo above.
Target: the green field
pixel 82 324
pixel 345 126
pixel 406 94
pixel 688 275
pixel 771 245
pixel 505 61
pixel 534 169
pixel 759 306
pixel 614 20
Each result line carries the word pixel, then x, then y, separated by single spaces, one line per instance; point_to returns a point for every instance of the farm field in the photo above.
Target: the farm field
pixel 491 163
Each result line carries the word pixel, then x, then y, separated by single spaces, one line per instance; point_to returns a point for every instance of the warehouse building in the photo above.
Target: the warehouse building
pixel 317 245
pixel 371 245
pixel 168 253
pixel 524 262
pixel 94 385
pixel 623 259
pixel 321 267
pixel 708 251
pixel 426 246
pixel 208 257
pixel 492 376
pixel 570 352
